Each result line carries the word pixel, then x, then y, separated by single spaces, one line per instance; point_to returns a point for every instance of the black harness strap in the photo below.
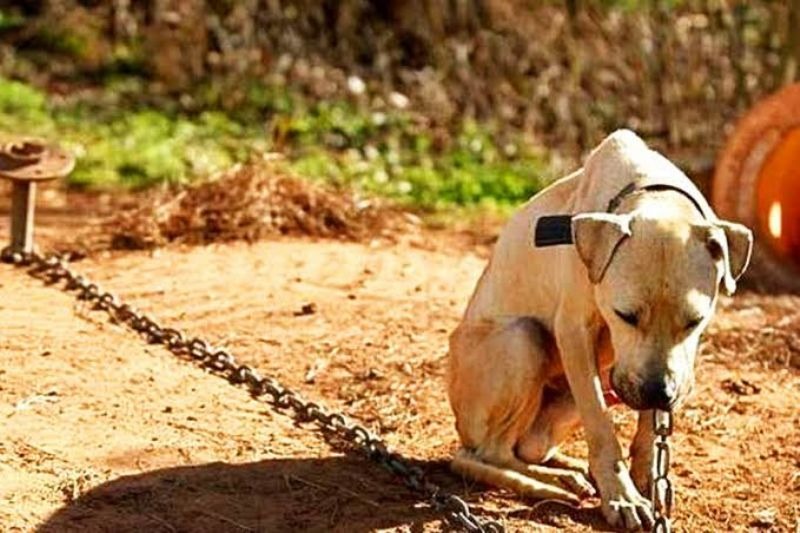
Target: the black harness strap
pixel 552 230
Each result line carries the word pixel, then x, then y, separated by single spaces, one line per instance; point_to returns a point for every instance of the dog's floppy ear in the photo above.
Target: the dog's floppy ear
pixel 596 237
pixel 733 244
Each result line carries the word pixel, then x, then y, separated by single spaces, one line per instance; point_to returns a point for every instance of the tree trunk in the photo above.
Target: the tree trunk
pixel 791 57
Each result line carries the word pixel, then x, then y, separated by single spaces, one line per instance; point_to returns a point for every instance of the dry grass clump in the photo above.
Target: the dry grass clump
pixel 248 203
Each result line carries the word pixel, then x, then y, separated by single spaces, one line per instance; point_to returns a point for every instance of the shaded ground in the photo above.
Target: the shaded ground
pixel 102 432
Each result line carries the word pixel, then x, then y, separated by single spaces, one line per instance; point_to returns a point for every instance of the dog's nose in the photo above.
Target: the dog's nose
pixel 660 392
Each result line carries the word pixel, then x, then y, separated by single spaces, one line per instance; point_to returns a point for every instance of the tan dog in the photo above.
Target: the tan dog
pixel 549 329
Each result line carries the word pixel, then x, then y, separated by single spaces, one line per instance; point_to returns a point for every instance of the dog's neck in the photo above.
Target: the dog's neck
pixel 623 165
pixel 644 186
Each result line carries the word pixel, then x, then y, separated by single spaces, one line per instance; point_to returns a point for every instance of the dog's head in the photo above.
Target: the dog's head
pixel 656 280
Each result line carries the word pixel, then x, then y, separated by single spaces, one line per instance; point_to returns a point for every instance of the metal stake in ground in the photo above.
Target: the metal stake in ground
pixel 26 162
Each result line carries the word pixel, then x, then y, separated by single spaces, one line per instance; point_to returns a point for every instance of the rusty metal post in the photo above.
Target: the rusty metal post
pixel 23 205
pixel 25 163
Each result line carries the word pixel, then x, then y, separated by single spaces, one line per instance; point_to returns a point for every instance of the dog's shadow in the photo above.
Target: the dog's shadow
pixel 343 493
pixel 338 493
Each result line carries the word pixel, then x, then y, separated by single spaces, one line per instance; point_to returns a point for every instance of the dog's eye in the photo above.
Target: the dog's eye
pixel 631 319
pixel 693 323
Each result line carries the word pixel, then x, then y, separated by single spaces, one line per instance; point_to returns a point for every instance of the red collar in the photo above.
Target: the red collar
pixel 611 398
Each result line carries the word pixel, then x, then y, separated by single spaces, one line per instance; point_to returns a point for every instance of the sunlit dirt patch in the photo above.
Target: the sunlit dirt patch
pixel 758 329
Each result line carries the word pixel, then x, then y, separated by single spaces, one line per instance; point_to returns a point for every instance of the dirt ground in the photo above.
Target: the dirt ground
pixel 102 432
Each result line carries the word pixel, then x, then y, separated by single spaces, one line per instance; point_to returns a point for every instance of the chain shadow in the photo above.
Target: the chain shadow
pixel 563 516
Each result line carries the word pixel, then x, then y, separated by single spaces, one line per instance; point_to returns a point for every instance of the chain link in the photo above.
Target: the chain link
pixel 661 489
pixel 53 269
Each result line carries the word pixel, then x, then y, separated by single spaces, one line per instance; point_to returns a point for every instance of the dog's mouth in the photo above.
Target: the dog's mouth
pixel 641 398
pixel 617 393
pixel 626 392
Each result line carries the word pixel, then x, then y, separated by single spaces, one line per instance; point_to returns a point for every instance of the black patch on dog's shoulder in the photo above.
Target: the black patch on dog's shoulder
pixel 553 230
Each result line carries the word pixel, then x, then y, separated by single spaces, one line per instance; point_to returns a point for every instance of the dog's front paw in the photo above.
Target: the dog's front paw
pixel 622 504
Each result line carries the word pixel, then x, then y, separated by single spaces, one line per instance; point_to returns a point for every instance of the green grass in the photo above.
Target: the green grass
pixel 9 20
pixel 132 148
pixel 122 144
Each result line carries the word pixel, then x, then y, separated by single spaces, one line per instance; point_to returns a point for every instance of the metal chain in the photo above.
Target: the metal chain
pixel 53 269
pixel 661 489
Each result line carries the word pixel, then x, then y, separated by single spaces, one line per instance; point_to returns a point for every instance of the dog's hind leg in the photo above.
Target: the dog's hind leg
pixel 561 460
pixel 556 420
pixel 517 479
pixel 497 371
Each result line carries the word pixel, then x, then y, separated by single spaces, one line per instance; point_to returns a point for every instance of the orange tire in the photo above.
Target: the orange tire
pixel 757 182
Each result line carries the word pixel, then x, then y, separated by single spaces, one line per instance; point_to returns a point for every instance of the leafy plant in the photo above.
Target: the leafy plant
pixel 383 152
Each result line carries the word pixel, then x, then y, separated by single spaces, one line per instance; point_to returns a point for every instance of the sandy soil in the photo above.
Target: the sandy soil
pixel 101 432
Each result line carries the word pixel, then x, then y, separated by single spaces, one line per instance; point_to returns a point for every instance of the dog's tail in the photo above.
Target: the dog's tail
pixel 469 465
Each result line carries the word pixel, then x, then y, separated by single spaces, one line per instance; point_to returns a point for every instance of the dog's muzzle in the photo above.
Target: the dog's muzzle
pixel 656 391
